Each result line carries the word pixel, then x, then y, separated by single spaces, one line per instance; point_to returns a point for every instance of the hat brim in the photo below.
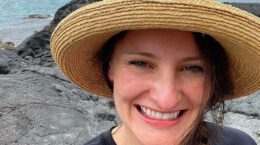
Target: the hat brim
pixel 79 36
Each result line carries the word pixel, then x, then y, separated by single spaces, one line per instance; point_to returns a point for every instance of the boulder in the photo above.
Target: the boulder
pixel 36 45
pixel 10 61
pixel 4 67
pixel 7 45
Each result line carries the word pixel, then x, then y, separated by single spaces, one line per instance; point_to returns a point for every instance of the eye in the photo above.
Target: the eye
pixel 193 68
pixel 141 63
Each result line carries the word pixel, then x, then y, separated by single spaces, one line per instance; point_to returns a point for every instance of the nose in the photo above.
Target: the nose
pixel 166 92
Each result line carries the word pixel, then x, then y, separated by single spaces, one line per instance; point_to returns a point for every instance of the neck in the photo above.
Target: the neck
pixel 122 136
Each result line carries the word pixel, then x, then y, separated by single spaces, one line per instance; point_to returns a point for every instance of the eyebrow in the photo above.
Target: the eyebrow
pixel 150 55
pixel 146 54
pixel 194 58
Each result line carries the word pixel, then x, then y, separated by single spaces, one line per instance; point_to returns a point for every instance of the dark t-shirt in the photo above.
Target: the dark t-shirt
pixel 220 135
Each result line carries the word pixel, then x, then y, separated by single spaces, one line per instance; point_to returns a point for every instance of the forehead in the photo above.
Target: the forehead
pixel 159 41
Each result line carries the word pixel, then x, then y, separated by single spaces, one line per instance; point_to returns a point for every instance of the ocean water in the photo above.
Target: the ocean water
pixel 13 26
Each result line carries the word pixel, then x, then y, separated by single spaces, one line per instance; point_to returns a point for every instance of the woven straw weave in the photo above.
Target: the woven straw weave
pixel 78 37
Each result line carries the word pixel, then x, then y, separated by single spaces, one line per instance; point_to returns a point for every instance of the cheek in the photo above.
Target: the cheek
pixel 128 84
pixel 127 88
pixel 197 92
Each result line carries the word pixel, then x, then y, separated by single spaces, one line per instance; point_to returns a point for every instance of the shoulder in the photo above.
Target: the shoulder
pixel 104 138
pixel 98 140
pixel 222 135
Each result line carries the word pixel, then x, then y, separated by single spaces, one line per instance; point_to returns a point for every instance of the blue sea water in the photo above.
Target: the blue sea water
pixel 13 26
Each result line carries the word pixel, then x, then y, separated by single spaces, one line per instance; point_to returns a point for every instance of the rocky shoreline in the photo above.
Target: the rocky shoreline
pixel 39 106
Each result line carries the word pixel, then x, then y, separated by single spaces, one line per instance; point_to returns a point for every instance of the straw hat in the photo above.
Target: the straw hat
pixel 77 38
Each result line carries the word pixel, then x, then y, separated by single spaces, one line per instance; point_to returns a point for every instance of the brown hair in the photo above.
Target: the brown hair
pixel 221 85
pixel 218 70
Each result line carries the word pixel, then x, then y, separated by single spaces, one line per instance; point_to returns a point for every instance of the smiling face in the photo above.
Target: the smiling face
pixel 160 85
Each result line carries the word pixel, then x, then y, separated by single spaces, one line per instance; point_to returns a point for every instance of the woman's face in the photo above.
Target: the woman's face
pixel 160 84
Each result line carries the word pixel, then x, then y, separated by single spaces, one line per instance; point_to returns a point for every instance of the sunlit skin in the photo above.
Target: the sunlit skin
pixel 164 71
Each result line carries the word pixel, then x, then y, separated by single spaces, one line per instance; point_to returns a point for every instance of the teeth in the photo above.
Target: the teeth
pixel 159 115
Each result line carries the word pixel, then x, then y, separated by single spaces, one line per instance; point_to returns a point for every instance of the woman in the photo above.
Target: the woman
pixel 164 63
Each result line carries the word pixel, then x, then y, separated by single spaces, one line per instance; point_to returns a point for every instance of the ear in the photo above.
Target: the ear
pixel 110 72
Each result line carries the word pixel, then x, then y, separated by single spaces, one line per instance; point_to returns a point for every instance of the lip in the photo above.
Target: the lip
pixel 159 122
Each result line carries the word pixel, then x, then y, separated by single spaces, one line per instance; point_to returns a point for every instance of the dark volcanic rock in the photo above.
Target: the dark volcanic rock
pixel 37 45
pixel 9 60
pixel 68 8
pixel 39 106
pixel 4 67
pixel 253 8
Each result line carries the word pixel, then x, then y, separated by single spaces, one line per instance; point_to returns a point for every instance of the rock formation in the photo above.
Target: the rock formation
pixel 253 8
pixel 37 16
pixel 7 45
pixel 38 105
